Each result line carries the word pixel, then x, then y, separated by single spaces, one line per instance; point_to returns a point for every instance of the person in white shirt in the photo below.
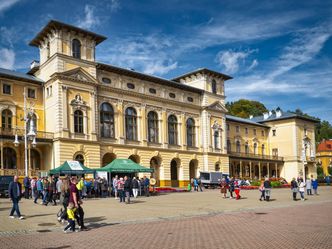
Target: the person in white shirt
pixel 308 186
pixel 301 189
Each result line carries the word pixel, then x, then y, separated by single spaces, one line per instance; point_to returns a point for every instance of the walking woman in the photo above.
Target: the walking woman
pixel 65 194
pixel 262 190
pixel 267 187
pixel 294 188
pixel 223 187
pixel 301 189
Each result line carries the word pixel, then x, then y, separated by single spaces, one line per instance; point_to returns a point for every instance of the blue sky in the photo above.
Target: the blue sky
pixel 279 52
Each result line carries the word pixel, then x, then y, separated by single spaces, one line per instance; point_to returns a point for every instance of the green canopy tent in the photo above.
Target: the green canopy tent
pixel 72 168
pixel 124 166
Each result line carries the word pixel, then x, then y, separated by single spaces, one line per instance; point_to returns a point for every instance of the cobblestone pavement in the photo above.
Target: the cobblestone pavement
pixel 184 220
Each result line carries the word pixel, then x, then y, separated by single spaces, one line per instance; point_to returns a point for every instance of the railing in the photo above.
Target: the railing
pixel 255 156
pixel 20 133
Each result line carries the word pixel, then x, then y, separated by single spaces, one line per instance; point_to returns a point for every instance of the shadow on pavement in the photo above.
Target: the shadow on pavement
pixel 38 215
pixel 5 208
pixel 98 225
pixel 58 247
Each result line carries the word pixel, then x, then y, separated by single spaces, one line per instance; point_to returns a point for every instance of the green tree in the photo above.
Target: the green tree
pixel 323 131
pixel 244 108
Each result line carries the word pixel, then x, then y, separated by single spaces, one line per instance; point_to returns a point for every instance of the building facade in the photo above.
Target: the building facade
pixel 324 156
pixel 94 112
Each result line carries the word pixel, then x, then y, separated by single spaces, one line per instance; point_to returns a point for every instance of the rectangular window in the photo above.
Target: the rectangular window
pixel 6 89
pixel 237 129
pixel 31 93
pixel 274 132
pixel 275 152
pixel 246 129
pixel 254 132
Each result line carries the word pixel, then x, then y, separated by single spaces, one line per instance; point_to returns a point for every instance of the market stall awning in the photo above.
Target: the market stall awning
pixel 71 168
pixel 124 166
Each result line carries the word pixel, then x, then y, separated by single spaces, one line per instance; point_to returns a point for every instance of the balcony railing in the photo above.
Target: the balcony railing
pixel 20 132
pixel 255 156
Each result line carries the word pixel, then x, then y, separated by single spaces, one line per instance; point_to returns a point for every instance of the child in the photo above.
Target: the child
pixel 71 218
pixel 237 189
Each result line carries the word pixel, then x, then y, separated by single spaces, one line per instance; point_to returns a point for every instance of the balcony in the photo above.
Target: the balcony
pixel 10 133
pixel 254 156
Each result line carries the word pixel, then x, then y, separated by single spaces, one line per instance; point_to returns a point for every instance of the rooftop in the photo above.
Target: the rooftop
pixel 325 145
pixel 19 76
pixel 283 115
pixel 203 71
pixel 244 120
pixel 56 25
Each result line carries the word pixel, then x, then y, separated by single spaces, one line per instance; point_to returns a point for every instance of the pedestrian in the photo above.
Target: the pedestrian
pixel 39 190
pixel 231 188
pixel 262 190
pixel 301 188
pixel 146 186
pixel 75 198
pixel 315 185
pixel 195 185
pixel 95 187
pixel 26 183
pixel 308 186
pixel 52 191
pixel 71 218
pixel 115 186
pixel 294 188
pixel 80 186
pixel 58 188
pixel 14 191
pixel 237 189
pixel 223 187
pixel 200 184
pixel 135 187
pixel 267 188
pixel 121 190
pixel 127 188
pixel 33 187
pixel 328 180
pixel 45 191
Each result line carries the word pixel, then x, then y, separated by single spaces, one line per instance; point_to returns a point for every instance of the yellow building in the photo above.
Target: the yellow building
pixel 93 113
pixel 324 155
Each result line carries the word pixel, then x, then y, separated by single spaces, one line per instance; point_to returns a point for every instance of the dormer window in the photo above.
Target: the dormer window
pixel 214 87
pixel 172 95
pixel 76 48
pixel 190 99
pixel 106 80
pixel 130 85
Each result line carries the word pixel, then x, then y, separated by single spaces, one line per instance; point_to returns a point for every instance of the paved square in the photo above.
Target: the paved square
pixel 179 220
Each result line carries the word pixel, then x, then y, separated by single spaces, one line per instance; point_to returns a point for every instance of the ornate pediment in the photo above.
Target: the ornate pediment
pixel 78 101
pixel 217 106
pixel 78 74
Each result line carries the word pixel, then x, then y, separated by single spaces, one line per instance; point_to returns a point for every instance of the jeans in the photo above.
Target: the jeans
pixel 71 225
pixel 315 191
pixel 309 191
pixel 15 207
pixel 147 191
pixel 262 195
pixel 135 192
pixel 302 195
pixel 26 192
pixel 122 195
pixel 45 198
pixel 128 196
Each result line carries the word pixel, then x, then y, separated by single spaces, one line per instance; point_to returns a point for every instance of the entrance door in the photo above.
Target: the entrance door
pixel 174 174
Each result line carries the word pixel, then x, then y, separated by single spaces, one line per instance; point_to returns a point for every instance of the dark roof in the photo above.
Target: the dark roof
pixel 204 71
pixel 244 120
pixel 284 115
pixel 53 24
pixel 19 76
pixel 147 77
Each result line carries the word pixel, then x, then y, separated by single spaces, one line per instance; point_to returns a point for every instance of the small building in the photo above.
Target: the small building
pixel 324 155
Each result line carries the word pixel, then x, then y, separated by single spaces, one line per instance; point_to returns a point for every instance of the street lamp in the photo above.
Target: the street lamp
pixel 28 135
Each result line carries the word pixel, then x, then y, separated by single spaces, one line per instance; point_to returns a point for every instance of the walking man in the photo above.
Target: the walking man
pixel 147 186
pixel 14 191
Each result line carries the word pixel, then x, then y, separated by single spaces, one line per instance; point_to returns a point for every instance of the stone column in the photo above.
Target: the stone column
pixel 276 165
pixel 240 173
pixel 143 124
pixel 183 133
pixel 250 168
pixel 259 171
pixel 164 139
pixel 268 170
pixel 94 118
pixel 65 108
pixel 1 155
pixel 120 121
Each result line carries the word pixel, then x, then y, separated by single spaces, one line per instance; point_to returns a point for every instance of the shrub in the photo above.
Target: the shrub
pixel 275 184
pixel 255 183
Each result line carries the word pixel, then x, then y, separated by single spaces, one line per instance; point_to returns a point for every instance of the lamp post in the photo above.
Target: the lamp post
pixel 28 135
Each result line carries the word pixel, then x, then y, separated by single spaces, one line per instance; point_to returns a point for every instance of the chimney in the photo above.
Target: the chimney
pixel 34 64
pixel 278 113
pixel 266 115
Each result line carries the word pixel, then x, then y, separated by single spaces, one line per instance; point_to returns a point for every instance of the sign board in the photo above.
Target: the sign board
pixel 74 165
pixel 101 174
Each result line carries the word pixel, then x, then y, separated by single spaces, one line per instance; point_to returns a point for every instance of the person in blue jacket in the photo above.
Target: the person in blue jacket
pixel 314 183
pixel 14 192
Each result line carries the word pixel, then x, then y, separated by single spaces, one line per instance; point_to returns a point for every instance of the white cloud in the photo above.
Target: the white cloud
pixel 90 19
pixel 7 58
pixel 231 60
pixel 6 4
pixel 115 5
pixel 253 65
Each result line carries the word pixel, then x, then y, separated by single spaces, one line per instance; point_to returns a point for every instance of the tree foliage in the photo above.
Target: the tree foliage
pixel 244 108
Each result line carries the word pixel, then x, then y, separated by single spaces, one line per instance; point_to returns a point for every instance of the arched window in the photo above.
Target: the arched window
pixel 80 158
pixel 76 48
pixel 255 148
pixel 190 132
pixel 263 149
pixel 246 148
pixel 153 127
pixel 229 146
pixel 131 124
pixel 78 121
pixel 216 139
pixel 172 130
pixel 35 159
pixel 106 120
pixel 217 167
pixel 6 119
pixel 9 158
pixel 32 124
pixel 214 86
pixel 238 147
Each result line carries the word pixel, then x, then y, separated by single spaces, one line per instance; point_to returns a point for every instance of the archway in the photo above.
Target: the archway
pixel 264 172
pixel 217 167
pixel 9 158
pixel 155 165
pixel 108 158
pixel 135 158
pixel 174 173
pixel 193 165
pixel 34 159
pixel 80 158
pixel 256 171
